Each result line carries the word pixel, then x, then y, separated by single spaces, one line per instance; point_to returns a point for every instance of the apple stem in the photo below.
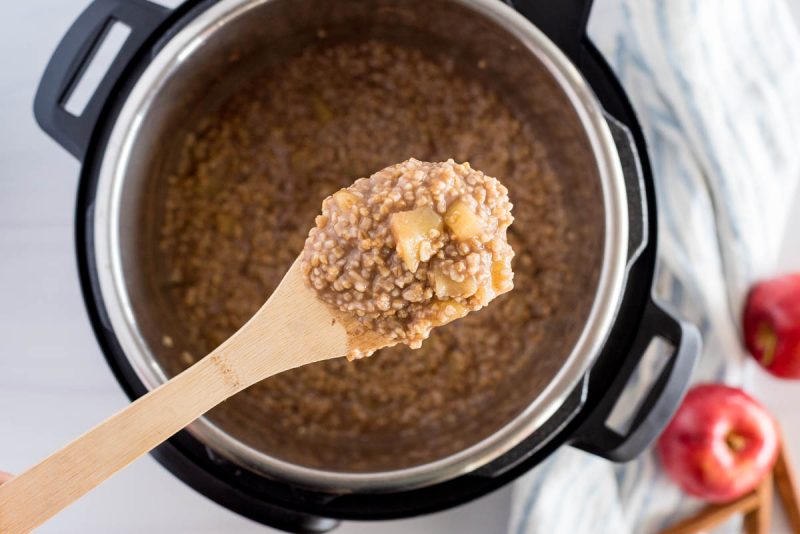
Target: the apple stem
pixel 735 441
pixel 766 340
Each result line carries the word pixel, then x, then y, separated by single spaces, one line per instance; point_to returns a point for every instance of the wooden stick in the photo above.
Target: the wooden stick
pixel 714 514
pixel 786 483
pixel 293 328
pixel 757 521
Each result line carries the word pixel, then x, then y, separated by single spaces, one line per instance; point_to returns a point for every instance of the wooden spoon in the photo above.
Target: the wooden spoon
pixel 291 329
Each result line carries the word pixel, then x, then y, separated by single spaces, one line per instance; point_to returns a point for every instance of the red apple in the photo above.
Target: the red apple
pixel 771 324
pixel 720 444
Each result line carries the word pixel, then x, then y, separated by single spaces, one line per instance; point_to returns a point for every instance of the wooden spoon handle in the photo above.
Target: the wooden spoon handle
pixel 42 491
pixel 293 328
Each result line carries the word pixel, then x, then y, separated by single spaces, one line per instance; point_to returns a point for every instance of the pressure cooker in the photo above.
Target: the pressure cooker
pixel 537 50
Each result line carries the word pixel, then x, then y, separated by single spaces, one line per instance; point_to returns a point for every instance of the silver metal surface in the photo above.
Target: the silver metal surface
pixel 164 90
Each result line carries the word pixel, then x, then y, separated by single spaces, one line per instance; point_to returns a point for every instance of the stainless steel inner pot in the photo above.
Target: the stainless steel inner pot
pixel 195 66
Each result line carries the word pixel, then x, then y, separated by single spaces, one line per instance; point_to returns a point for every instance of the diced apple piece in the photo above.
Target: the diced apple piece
pixel 462 220
pixel 454 310
pixel 484 294
pixel 500 279
pixel 446 287
pixel 409 229
pixel 345 199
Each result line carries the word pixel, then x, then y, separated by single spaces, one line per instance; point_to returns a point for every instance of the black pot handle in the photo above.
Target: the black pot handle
pixel 563 21
pixel 660 402
pixel 74 54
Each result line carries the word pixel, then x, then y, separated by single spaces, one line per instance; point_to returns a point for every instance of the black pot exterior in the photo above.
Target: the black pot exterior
pixel 296 509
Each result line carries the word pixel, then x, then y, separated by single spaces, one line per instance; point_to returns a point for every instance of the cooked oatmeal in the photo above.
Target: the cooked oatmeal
pixel 414 246
pixel 250 178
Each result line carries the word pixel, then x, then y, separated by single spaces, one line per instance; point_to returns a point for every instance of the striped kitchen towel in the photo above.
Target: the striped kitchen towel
pixel 716 84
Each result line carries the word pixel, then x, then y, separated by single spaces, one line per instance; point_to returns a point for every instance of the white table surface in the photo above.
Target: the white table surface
pixel 54 383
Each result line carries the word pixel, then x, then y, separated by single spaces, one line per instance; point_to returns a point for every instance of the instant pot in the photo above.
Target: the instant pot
pixel 539 52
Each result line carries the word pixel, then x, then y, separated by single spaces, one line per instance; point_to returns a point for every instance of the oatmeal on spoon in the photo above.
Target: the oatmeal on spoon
pixel 391 257
pixel 413 247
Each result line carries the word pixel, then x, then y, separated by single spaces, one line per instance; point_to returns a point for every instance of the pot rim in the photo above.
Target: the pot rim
pixel 601 316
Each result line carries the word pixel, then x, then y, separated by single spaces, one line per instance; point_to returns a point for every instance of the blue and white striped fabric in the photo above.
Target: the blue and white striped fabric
pixel 716 84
